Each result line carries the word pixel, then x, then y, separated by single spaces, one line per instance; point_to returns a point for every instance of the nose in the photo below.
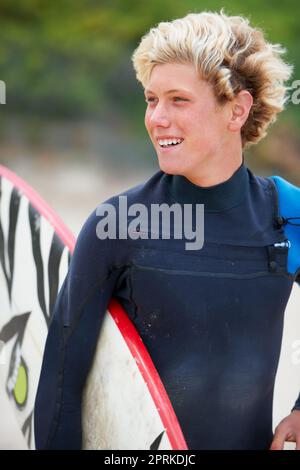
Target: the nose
pixel 159 116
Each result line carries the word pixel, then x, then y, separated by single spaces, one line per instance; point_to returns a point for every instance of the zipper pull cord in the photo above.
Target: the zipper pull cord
pixel 286 220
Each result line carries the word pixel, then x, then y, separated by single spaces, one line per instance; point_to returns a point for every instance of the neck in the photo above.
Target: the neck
pixel 218 197
pixel 218 168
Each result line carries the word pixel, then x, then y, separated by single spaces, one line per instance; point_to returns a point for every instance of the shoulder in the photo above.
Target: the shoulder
pixel 142 192
pixel 145 193
pixel 148 191
pixel 288 196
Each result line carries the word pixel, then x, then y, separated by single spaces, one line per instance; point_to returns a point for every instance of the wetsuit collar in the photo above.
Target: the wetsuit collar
pixel 216 198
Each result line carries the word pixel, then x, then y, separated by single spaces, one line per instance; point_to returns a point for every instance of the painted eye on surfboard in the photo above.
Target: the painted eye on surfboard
pixel 17 380
pixel 20 391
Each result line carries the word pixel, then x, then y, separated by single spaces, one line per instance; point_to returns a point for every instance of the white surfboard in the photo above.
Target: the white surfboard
pixel 287 385
pixel 125 405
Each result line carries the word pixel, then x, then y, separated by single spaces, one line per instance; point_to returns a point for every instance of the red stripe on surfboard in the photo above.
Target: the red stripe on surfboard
pixel 41 206
pixel 127 329
pixel 150 375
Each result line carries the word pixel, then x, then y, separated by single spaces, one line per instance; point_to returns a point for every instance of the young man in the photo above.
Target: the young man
pixel 211 315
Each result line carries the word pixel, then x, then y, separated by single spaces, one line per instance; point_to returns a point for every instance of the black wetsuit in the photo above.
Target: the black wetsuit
pixel 211 319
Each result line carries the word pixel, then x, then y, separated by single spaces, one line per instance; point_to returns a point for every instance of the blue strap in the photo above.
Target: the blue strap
pixel 289 207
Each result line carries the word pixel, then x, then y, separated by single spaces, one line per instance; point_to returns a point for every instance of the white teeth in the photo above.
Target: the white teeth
pixel 166 142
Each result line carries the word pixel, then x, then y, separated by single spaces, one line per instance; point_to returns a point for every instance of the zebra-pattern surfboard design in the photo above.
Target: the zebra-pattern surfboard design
pixel 23 230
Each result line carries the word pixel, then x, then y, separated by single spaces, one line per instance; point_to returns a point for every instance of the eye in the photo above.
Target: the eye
pixel 150 100
pixel 178 98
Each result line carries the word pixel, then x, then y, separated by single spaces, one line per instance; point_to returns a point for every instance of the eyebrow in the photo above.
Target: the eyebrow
pixel 169 91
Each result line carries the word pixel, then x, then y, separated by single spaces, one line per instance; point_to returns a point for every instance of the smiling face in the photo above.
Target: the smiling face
pixel 183 112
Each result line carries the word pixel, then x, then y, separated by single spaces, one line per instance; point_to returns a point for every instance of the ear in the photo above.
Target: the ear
pixel 240 108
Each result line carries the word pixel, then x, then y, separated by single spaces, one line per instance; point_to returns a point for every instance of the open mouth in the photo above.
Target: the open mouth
pixel 170 143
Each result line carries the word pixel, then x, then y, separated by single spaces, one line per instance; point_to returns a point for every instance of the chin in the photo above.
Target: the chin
pixel 170 167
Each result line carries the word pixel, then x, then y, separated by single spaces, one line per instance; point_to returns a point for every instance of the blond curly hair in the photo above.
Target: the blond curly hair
pixel 228 53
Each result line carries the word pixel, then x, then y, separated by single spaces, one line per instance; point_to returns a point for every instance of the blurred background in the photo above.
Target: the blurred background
pixel 73 122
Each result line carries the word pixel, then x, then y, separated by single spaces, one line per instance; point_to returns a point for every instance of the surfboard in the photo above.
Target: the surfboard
pixel 125 405
pixel 287 384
